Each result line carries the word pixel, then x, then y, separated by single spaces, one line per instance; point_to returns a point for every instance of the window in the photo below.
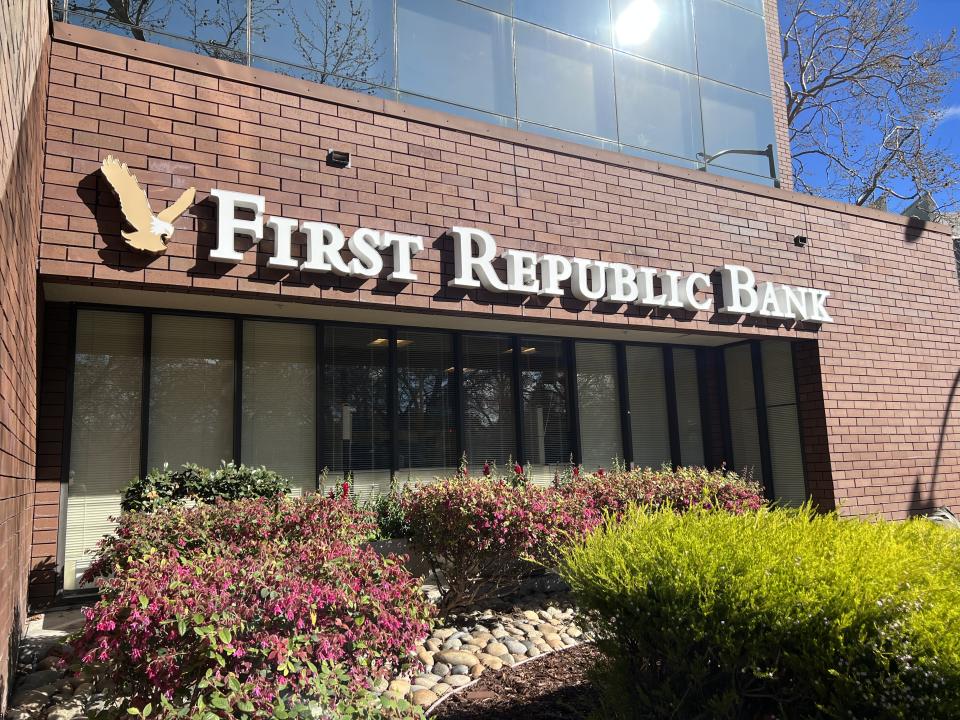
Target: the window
pixel 736 119
pixel 489 410
pixel 355 421
pixel 650 428
pixel 191 391
pixel 588 19
pixel 659 30
pixel 105 429
pixel 732 45
pixel 598 396
pixel 742 402
pixel 456 52
pixel 658 108
pixel 279 427
pixel 783 422
pixel 543 385
pixel 426 417
pixel 689 424
pixel 564 82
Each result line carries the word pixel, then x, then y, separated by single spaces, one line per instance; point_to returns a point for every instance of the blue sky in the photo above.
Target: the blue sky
pixel 938 16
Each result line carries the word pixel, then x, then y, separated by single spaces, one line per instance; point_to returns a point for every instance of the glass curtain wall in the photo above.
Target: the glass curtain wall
pixel 598 398
pixel 544 383
pixel 689 418
pixel 489 414
pixel 783 422
pixel 742 404
pixel 649 426
pixel 665 79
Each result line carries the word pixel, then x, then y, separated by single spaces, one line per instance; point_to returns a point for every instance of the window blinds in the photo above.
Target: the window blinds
pixel 783 423
pixel 278 427
pixel 105 429
pixel 191 391
pixel 686 380
pixel 489 431
pixel 598 395
pixel 546 429
pixel 743 411
pixel 649 427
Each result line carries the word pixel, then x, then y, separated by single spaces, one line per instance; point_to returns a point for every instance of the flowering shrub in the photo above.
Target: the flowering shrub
pixel 234 609
pixel 478 533
pixel 194 483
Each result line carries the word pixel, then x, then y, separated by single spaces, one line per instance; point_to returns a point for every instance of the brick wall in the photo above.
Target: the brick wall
pixel 782 127
pixel 23 51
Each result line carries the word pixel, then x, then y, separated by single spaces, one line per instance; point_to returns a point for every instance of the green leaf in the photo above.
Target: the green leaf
pixel 133 711
pixel 147 709
pixel 219 701
pixel 224 635
pixel 144 601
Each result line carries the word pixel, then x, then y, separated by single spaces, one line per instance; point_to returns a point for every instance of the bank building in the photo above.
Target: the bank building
pixel 505 230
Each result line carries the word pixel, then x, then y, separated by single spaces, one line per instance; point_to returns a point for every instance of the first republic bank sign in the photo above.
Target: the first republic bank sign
pixel 527 273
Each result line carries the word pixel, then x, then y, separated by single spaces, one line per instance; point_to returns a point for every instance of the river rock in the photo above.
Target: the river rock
pixel 460 670
pixel 496 648
pixel 424 698
pixel 441 688
pixel 515 646
pixel 458 680
pixel 491 661
pixel 456 657
pixel 441 669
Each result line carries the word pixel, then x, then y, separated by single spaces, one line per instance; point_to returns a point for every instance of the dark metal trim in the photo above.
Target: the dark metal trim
pixel 393 401
pixel 238 390
pixel 517 401
pixel 145 392
pixel 574 408
pixel 459 397
pixel 626 420
pixel 794 349
pixel 766 464
pixel 673 418
pixel 66 437
pixel 319 413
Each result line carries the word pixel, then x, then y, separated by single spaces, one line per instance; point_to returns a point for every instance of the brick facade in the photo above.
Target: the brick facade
pixel 782 127
pixel 23 53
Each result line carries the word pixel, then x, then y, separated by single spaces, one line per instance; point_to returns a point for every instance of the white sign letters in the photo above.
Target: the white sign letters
pixel 527 273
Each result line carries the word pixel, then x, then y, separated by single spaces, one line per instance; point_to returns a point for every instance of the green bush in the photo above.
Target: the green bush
pixel 773 614
pixel 388 511
pixel 193 483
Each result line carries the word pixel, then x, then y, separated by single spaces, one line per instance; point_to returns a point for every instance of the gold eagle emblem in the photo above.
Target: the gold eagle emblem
pixel 152 232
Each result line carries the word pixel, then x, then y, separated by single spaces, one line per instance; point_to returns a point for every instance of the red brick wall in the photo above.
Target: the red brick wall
pixel 23 54
pixel 775 53
pixel 876 383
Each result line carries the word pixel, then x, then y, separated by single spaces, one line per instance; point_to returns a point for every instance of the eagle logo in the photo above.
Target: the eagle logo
pixel 152 232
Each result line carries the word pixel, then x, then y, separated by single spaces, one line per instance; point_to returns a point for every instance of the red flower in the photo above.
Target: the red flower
pixel 517 470
pixel 486 469
pixel 344 490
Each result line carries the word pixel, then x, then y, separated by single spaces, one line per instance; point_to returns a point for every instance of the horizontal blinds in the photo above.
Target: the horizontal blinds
pixel 489 411
pixel 598 396
pixel 546 430
pixel 279 427
pixel 649 426
pixel 425 412
pixel 690 425
pixel 105 429
pixel 191 391
pixel 783 423
pixel 741 399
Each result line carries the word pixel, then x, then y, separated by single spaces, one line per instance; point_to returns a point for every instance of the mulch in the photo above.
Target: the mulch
pixel 553 687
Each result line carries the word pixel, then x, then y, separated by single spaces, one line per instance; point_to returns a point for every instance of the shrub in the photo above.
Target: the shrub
pixel 388 512
pixel 778 613
pixel 192 483
pixel 240 616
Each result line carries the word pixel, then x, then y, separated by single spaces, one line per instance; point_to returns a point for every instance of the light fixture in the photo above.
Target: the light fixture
pixel 379 342
pixel 528 350
pixel 338 158
pixel 800 240
pixel 636 23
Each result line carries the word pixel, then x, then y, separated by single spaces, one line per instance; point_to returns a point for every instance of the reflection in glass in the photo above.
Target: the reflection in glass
pixel 564 82
pixel 736 119
pixel 598 395
pixel 742 403
pixel 689 423
pixel 455 52
pixel 489 430
pixel 660 30
pixel 543 385
pixel 732 45
pixel 588 19
pixel 425 412
pixel 659 108
pixel 650 429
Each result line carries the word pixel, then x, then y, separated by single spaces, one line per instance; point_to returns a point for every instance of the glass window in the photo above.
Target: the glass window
pixel 425 405
pixel 344 43
pixel 660 157
pixel 543 384
pixel 455 52
pixel 783 422
pixel 441 106
pixel 578 138
pixel 355 422
pixel 564 82
pixel 489 410
pixel 658 108
pixel 649 426
pixel 191 391
pixel 598 396
pixel 736 119
pixel 660 30
pixel 588 19
pixel 105 429
pixel 687 384
pixel 279 427
pixel 732 45
pixel 742 403
pixel 754 5
pixel 125 18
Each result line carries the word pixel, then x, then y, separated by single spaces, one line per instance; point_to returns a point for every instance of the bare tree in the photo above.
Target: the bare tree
pixel 864 95
pixel 134 14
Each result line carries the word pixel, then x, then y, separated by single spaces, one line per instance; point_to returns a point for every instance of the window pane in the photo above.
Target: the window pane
pixel 356 426
pixel 466 112
pixel 191 391
pixel 742 402
pixel 649 426
pixel 736 119
pixel 280 399
pixel 543 383
pixel 732 45
pixel 589 19
pixel 598 394
pixel 344 43
pixel 425 397
pixel 489 410
pixel 105 429
pixel 658 108
pixel 660 30
pixel 455 52
pixel 783 422
pixel 687 383
pixel 564 82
